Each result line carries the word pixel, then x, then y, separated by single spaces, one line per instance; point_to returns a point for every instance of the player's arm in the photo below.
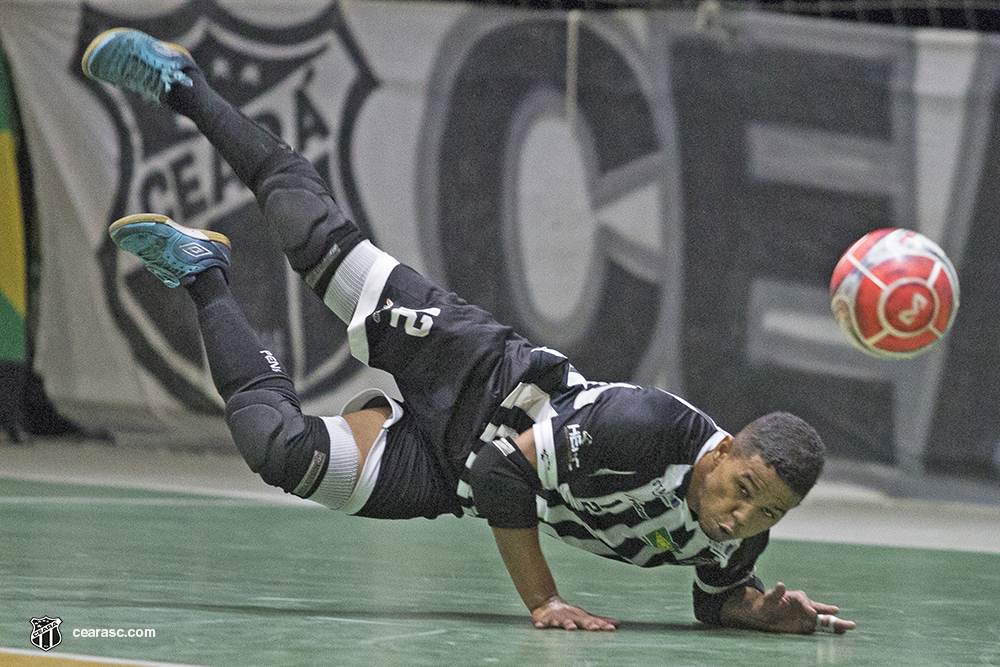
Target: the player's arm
pixel 522 554
pixel 780 610
pixel 505 482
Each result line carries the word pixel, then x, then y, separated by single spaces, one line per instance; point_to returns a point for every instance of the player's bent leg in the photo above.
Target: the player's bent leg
pixel 333 461
pixel 317 457
pixel 286 448
pixel 380 465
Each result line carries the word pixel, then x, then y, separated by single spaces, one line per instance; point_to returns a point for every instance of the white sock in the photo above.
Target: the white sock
pixel 349 280
pixel 342 472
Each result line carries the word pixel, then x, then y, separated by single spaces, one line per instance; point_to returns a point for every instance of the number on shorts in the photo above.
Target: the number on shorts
pixel 415 322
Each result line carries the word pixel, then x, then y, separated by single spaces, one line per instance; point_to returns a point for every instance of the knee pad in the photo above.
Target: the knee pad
pixel 296 216
pixel 307 222
pixel 314 233
pixel 286 448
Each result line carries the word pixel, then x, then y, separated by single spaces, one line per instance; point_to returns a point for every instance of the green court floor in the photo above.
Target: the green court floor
pixel 230 583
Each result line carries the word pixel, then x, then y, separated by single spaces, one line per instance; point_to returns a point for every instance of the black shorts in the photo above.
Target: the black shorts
pixel 454 365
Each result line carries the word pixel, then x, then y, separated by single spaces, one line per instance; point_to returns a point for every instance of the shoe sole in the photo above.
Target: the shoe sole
pixel 99 41
pixel 139 218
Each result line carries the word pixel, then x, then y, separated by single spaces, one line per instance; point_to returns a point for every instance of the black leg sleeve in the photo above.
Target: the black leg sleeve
pixel 236 356
pixel 243 143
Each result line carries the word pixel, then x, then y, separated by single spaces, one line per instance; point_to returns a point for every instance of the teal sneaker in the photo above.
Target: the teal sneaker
pixel 172 252
pixel 135 61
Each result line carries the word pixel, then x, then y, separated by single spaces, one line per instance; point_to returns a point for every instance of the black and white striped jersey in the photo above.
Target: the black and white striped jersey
pixel 613 459
pixel 614 462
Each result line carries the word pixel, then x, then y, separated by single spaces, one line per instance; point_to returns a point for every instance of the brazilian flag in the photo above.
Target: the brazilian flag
pixel 24 405
pixel 13 281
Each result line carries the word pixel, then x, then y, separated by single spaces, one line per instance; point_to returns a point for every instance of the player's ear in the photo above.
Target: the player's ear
pixel 724 448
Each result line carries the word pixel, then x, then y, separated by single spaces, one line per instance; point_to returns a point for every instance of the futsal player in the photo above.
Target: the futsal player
pixel 489 425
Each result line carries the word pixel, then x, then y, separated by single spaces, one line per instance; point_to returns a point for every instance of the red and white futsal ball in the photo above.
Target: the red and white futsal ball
pixel 895 293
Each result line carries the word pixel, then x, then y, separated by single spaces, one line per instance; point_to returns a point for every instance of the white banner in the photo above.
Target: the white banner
pixel 661 203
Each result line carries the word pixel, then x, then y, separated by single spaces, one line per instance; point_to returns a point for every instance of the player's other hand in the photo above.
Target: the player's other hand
pixel 557 613
pixel 793 611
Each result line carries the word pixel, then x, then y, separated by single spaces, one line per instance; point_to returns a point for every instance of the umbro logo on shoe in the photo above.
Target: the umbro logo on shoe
pixel 195 250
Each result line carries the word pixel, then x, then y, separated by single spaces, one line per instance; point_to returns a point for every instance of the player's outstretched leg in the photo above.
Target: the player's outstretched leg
pixel 313 232
pixel 304 455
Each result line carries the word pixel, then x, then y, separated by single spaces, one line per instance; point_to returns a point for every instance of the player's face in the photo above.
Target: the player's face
pixel 738 497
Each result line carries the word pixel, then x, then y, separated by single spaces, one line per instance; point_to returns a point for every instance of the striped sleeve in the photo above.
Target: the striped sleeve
pixel 713 584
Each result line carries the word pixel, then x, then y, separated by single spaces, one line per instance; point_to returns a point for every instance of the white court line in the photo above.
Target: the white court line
pixel 90 658
pixel 262 497
pixel 355 620
pixel 88 500
pixel 406 636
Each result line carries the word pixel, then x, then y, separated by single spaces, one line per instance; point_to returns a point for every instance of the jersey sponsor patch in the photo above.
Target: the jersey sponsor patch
pixel 662 539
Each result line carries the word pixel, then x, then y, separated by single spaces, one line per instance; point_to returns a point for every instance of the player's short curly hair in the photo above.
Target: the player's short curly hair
pixel 786 443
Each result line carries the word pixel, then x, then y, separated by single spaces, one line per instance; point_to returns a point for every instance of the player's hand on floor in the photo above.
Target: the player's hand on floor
pixel 793 611
pixel 557 613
